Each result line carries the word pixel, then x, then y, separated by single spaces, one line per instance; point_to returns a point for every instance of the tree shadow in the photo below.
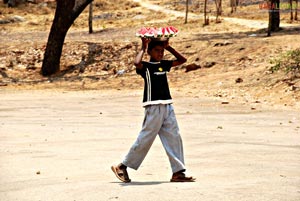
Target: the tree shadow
pixel 94 50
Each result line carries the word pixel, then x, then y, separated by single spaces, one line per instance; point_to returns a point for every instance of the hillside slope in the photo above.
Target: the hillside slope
pixel 234 55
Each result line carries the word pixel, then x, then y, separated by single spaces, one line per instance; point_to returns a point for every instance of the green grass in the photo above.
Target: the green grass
pixel 288 62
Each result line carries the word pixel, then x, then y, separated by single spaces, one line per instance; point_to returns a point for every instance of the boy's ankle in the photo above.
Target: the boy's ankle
pixel 179 172
pixel 122 166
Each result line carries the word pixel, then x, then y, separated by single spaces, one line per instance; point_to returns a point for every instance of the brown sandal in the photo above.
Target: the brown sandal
pixel 180 177
pixel 121 174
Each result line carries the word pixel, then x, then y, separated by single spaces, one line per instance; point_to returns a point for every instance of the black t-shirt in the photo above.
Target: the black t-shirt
pixel 156 88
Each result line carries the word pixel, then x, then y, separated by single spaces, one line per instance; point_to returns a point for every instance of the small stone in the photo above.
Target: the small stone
pixel 252 35
pixel 239 80
pixel 139 17
pixel 223 43
pixel 17 18
pixel 209 64
pixel 192 67
pixel 293 88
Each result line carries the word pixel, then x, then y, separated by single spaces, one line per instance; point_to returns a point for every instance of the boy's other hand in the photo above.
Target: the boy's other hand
pixel 145 42
pixel 166 44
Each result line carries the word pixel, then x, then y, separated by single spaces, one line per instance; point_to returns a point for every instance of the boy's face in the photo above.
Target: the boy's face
pixel 156 53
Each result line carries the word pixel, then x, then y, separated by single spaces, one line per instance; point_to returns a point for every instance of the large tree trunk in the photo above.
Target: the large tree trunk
pixel 66 13
pixel 59 29
pixel 274 16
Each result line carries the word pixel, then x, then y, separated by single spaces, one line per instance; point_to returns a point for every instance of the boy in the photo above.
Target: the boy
pixel 159 114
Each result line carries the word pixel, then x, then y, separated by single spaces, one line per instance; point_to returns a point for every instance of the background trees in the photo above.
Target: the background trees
pixel 272 6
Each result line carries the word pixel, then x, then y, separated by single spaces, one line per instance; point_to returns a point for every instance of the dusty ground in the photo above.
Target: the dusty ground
pixel 59 134
pixel 59 145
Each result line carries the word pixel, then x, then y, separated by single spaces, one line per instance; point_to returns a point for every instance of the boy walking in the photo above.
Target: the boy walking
pixel 159 114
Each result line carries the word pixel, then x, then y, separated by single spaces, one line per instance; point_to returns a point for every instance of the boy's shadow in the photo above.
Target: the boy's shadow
pixel 141 183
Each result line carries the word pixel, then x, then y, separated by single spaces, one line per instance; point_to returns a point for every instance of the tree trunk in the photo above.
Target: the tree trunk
pixel 91 18
pixel 206 19
pixel 219 9
pixel 65 14
pixel 274 16
pixel 60 26
pixel 296 10
pixel 270 24
pixel 186 11
pixel 233 5
pixel 291 9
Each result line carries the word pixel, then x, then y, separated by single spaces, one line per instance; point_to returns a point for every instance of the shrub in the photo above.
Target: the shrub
pixel 288 62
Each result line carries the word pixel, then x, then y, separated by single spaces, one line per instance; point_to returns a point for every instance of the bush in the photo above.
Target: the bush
pixel 288 62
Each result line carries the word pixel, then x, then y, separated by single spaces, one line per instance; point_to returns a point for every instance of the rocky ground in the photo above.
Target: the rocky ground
pixel 232 58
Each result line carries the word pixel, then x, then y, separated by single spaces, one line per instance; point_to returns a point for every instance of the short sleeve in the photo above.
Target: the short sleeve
pixel 141 71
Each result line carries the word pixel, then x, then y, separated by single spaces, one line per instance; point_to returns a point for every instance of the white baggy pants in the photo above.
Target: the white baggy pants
pixel 161 120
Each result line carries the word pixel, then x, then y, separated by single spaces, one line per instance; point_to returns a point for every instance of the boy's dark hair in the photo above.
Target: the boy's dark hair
pixel 154 43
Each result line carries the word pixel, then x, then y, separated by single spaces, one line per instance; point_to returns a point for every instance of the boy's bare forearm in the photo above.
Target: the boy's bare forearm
pixel 180 59
pixel 138 58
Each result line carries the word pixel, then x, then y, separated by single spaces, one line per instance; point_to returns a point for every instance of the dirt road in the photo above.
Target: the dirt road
pixel 57 145
pixel 256 24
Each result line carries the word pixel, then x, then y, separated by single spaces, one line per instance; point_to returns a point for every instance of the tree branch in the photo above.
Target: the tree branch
pixel 80 5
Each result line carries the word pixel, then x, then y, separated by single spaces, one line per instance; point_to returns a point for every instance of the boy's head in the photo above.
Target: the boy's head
pixel 156 50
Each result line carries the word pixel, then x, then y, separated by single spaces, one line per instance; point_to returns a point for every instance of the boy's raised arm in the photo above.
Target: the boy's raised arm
pixel 180 59
pixel 138 59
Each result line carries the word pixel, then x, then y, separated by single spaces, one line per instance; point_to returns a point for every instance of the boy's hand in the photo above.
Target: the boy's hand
pixel 179 58
pixel 145 42
pixel 166 44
